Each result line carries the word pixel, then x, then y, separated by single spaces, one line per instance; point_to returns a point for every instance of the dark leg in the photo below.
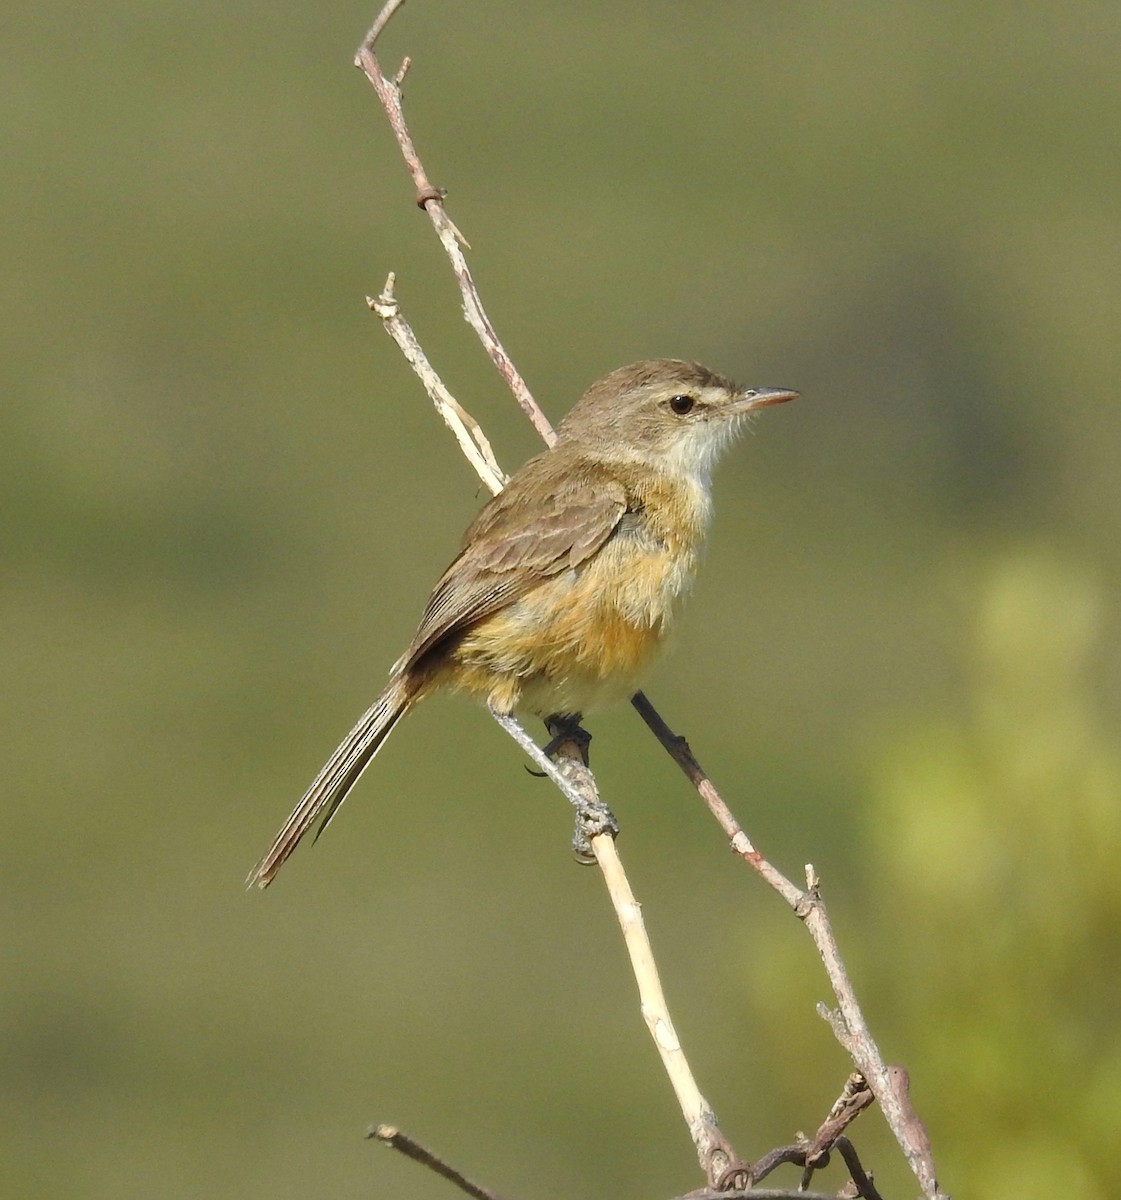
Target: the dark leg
pixel 566 727
pixel 574 780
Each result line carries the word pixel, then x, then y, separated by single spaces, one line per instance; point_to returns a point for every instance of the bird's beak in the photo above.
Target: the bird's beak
pixel 752 398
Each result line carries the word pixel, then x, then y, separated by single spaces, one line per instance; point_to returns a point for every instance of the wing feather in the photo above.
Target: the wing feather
pixel 543 523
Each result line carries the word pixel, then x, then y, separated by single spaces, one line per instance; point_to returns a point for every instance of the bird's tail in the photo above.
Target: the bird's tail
pixel 339 774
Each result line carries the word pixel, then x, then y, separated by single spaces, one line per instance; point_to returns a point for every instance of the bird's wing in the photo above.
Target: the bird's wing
pixel 534 529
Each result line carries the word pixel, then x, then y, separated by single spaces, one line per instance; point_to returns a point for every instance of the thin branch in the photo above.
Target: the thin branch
pixel 391 1136
pixel 716 1155
pixel 431 199
pixel 860 1177
pixel 576 781
pixel 468 433
pixel 380 22
pixel 814 1154
pixel 848 1023
pixel 855 1097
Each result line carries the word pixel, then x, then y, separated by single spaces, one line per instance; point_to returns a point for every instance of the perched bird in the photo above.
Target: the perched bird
pixel 565 583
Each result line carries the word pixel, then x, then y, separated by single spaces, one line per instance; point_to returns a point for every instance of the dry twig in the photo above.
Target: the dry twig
pixel 391 1136
pixel 431 199
pixel 467 431
pixel 847 1022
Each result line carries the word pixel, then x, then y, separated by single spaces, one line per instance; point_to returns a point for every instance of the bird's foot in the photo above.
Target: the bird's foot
pixel 571 774
pixel 565 729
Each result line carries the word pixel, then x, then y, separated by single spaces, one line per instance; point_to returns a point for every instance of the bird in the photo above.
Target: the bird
pixel 567 582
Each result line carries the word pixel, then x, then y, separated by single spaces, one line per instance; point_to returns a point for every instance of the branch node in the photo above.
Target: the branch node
pixel 741 843
pixel 805 905
pixel 402 71
pixel 835 1018
pixel 424 195
pixel 385 305
pixel 808 900
pixel 734 1177
pixel 374 32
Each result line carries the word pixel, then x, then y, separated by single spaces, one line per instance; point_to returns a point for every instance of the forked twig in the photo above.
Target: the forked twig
pixel 467 431
pixel 847 1022
pixel 431 199
pixel 391 1136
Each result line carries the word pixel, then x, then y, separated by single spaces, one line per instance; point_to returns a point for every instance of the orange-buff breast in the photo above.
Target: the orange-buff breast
pixel 577 641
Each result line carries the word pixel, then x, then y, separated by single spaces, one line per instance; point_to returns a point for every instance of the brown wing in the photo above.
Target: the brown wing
pixel 545 521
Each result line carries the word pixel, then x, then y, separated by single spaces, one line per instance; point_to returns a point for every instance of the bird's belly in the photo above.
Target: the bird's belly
pixel 579 640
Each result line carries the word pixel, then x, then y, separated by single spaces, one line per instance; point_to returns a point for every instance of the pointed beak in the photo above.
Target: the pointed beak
pixel 752 398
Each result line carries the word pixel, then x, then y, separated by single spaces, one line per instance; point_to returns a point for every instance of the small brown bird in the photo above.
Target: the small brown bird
pixel 565 584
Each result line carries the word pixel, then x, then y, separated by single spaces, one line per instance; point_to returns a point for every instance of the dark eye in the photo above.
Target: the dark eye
pixel 682 404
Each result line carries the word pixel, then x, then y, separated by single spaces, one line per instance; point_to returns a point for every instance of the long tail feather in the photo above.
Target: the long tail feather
pixel 339 774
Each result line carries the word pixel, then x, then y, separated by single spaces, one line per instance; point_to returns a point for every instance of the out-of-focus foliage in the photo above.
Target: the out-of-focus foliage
pixel 224 499
pixel 999 828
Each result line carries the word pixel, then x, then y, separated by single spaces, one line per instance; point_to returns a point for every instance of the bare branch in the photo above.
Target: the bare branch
pixel 865 1186
pixel 814 1154
pixel 714 1151
pixel 574 778
pixel 855 1097
pixel 431 199
pixel 380 22
pixel 392 1137
pixel 468 433
pixel 848 1023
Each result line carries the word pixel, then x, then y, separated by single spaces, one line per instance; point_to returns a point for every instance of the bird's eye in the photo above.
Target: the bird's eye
pixel 682 404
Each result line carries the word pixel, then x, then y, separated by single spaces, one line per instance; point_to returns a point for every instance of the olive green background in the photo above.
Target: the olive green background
pixel 225 498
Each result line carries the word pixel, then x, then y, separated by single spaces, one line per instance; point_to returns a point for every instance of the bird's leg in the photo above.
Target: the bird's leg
pixel 568 746
pixel 576 784
pixel 566 728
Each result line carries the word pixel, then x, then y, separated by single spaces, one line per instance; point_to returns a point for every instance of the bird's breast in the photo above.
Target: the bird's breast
pixel 581 638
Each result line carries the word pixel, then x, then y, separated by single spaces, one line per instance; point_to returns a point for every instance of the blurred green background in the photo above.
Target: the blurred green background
pixel 225 498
